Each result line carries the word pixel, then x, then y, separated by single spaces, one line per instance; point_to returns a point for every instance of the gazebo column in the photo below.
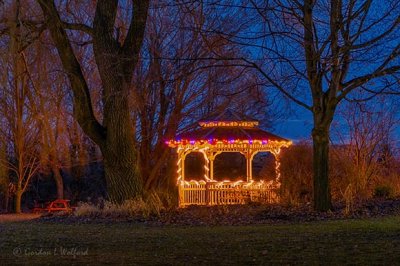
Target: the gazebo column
pixel 251 164
pixel 248 166
pixel 206 164
pixel 211 168
pixel 181 176
pixel 181 164
pixel 207 168
pixel 211 157
pixel 276 152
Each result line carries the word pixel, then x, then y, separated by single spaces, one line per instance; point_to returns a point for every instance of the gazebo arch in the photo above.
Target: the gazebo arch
pixel 229 166
pixel 228 132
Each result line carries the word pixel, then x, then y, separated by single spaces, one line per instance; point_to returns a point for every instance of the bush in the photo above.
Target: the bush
pixel 296 174
pixel 143 207
pixel 87 209
pixel 383 191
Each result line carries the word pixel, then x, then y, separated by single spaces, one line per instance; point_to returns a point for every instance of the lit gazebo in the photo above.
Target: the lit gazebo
pixel 227 132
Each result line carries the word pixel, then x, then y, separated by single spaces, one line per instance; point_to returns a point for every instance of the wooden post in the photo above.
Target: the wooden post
pixel 252 154
pixel 181 186
pixel 211 168
pixel 246 155
pixel 250 167
pixel 183 166
pixel 181 195
pixel 211 158
pixel 277 165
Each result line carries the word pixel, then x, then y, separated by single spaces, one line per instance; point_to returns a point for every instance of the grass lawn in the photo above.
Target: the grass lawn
pixel 373 241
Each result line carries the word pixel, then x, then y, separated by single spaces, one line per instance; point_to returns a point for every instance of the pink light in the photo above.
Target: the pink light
pixel 192 142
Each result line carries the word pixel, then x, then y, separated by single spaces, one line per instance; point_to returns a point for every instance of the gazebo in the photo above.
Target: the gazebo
pixel 227 132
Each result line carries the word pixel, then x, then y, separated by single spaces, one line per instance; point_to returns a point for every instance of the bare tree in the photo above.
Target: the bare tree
pixel 175 87
pixel 47 107
pixel 46 100
pixel 21 133
pixel 315 53
pixel 4 178
pixel 365 150
pixel 116 53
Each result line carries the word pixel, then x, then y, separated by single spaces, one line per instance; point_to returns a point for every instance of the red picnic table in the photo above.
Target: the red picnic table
pixel 58 205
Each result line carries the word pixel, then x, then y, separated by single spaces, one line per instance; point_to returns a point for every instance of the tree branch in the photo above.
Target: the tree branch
pixel 78 26
pixel 357 82
pixel 279 87
pixel 83 110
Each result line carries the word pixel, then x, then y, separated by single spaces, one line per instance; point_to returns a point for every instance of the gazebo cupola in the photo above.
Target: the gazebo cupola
pixel 227 132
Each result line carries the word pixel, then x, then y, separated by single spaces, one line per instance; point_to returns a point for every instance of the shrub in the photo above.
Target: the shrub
pixel 383 191
pixel 87 209
pixel 147 206
pixel 296 174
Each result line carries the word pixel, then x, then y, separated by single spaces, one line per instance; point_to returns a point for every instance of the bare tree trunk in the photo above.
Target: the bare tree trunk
pixel 18 197
pixel 122 179
pixel 59 181
pixel 119 151
pixel 6 199
pixel 322 195
pixel 152 180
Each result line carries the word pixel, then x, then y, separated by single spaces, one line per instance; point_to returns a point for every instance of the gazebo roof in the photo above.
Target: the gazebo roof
pixel 229 134
pixel 230 127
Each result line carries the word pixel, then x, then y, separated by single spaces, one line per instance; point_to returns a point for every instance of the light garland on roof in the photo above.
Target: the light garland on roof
pixel 197 143
pixel 229 124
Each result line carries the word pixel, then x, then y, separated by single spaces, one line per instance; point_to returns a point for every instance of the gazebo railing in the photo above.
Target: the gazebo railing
pixel 225 193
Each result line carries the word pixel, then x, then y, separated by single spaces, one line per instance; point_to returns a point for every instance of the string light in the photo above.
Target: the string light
pixel 212 142
pixel 210 147
pixel 229 124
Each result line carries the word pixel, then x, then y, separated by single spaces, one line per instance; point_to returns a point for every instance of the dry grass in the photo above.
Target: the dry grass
pixel 142 207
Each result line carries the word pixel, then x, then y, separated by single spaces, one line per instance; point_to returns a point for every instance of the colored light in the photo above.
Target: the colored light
pixel 208 147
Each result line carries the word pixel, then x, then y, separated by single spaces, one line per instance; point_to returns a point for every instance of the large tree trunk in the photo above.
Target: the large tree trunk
pixel 6 199
pixel 121 176
pixel 18 197
pixel 119 151
pixel 322 195
pixel 59 181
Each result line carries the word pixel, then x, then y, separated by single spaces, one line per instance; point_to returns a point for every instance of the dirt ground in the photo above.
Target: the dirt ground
pixel 5 218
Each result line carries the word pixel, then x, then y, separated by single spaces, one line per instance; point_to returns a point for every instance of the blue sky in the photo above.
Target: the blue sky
pixel 294 129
